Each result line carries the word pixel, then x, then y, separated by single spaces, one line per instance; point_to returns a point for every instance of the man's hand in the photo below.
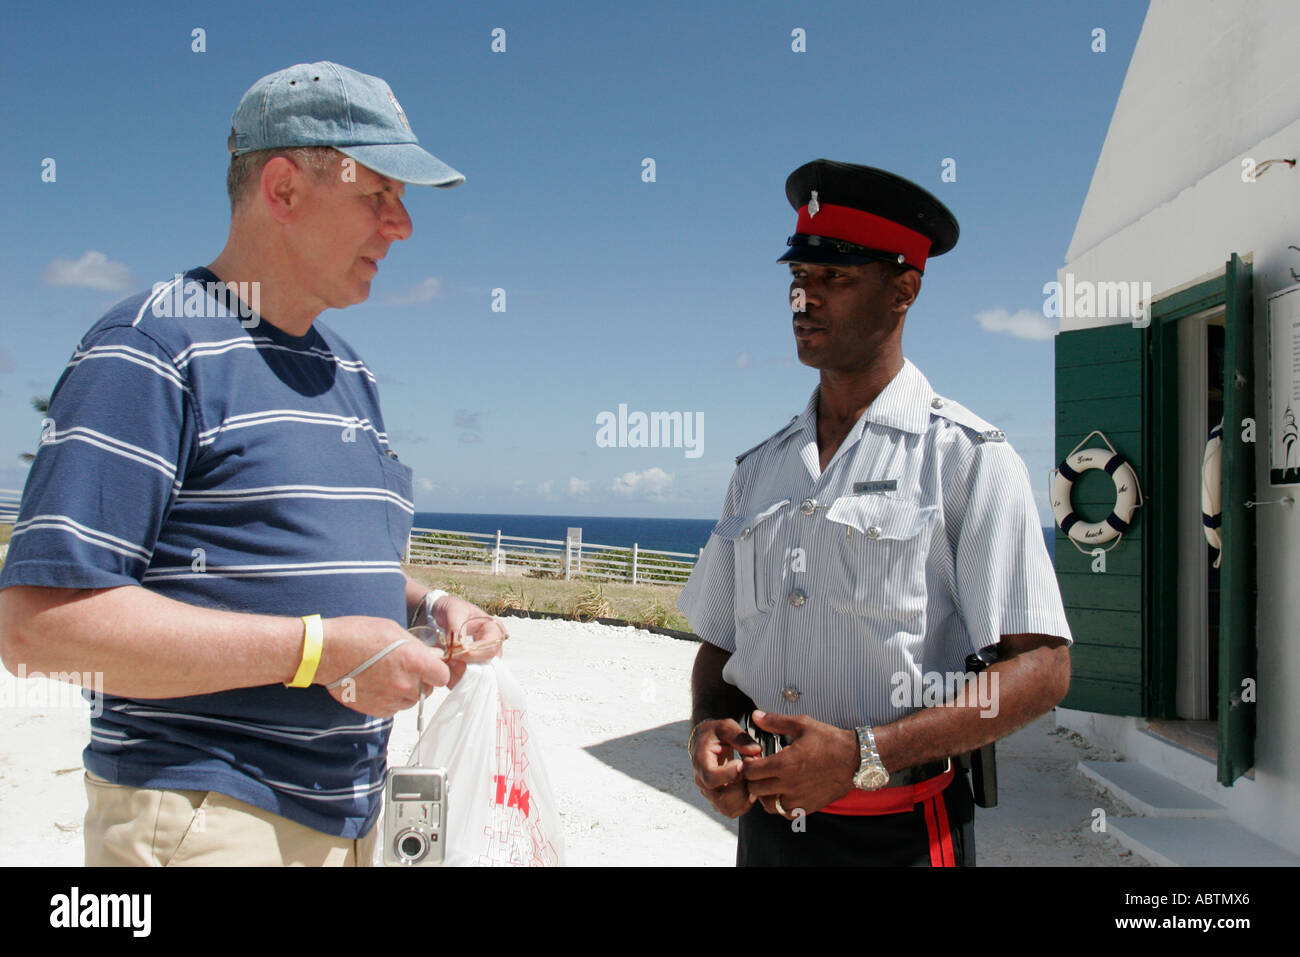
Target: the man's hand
pixel 467 626
pixel 392 683
pixel 717 774
pixel 810 772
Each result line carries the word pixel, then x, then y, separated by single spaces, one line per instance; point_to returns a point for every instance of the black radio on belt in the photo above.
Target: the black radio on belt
pixel 982 762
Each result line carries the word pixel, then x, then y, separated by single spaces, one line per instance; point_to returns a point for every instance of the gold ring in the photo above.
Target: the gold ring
pixel 780 810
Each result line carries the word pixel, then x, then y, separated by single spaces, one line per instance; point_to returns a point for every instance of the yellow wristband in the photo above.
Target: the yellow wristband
pixel 313 639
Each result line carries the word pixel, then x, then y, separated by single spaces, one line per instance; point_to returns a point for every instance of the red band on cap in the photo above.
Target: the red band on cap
pixel 865 229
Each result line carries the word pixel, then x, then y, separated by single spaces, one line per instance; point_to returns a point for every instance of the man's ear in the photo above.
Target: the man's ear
pixel 905 288
pixel 281 188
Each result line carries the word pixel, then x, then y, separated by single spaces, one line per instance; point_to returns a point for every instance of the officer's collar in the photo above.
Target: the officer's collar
pixel 903 404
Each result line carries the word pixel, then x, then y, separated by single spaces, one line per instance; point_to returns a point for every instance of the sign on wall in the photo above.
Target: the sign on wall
pixel 1284 387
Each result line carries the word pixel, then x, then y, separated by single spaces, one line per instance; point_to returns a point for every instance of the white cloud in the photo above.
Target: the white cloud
pixel 652 483
pixel 425 485
pixel 425 291
pixel 1025 324
pixel 544 489
pixel 742 360
pixel 578 487
pixel 93 270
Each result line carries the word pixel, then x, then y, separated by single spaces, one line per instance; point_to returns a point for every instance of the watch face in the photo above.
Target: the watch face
pixel 869 779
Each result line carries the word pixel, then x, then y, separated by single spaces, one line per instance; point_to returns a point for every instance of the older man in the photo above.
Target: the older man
pixel 865 551
pixel 215 520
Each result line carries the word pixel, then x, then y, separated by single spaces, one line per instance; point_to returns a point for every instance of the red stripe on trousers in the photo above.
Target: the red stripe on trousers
pixel 936 855
pixel 936 822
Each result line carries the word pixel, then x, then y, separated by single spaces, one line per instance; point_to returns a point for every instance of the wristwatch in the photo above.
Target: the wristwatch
pixel 871 775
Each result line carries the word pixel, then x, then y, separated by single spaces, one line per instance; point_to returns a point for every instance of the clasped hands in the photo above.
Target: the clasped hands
pixel 813 770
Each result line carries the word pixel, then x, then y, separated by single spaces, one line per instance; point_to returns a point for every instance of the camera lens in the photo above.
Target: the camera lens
pixel 411 847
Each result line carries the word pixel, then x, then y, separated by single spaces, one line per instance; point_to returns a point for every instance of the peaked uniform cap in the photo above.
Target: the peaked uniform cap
pixel 851 214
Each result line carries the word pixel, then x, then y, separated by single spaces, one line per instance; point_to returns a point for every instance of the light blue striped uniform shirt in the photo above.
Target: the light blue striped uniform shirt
pixel 228 467
pixel 918 545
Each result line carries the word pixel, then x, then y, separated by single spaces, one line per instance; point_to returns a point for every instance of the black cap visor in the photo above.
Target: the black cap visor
pixel 823 251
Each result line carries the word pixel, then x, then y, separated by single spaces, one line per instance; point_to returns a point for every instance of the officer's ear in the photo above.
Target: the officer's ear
pixel 904 286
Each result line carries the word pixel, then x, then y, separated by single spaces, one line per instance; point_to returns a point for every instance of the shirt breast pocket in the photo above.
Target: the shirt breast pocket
pixel 399 504
pixel 757 539
pixel 877 560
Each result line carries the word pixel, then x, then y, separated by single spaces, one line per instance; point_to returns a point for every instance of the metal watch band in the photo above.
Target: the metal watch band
pixel 871 774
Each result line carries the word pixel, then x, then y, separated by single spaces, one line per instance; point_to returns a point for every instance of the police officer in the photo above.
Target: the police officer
pixel 865 550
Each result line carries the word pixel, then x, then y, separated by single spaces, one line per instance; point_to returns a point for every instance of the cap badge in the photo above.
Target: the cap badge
pixel 813 205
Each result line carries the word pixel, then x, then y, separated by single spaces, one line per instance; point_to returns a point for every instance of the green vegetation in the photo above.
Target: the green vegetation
pixel 654 605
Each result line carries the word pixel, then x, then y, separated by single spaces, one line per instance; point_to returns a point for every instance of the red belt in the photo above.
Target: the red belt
pixel 889 800
pixel 895 800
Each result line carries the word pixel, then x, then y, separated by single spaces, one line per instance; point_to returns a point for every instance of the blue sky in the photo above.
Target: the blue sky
pixel 662 295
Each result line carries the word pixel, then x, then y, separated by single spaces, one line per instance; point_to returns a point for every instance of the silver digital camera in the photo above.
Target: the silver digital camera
pixel 415 817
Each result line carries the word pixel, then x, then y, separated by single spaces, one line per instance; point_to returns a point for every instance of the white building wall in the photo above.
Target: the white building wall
pixel 1208 79
pixel 1180 241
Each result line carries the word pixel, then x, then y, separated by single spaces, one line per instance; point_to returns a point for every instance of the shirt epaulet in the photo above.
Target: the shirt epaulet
pixel 981 430
pixel 781 431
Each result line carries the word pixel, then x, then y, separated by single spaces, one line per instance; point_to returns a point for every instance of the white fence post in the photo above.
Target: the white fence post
pixel 496 555
pixel 634 563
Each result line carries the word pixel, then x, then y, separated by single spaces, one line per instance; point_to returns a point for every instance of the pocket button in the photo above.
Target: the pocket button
pixel 808 506
pixel 873 531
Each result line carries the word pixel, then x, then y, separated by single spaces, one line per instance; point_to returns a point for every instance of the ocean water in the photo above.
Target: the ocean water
pixel 664 534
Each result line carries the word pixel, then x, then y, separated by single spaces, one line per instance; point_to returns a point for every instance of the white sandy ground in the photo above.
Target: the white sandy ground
pixel 610 707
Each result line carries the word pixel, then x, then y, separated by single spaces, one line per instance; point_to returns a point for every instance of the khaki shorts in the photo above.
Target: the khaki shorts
pixel 144 827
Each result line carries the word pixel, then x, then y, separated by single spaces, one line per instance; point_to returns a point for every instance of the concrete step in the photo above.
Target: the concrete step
pixel 1149 793
pixel 1197 842
pixel 1178 827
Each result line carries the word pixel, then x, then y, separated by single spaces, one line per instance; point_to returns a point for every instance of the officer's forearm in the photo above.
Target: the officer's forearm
pixel 1027 684
pixel 711 696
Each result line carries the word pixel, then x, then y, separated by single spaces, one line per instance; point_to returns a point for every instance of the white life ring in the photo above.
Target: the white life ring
pixel 1211 490
pixel 1126 496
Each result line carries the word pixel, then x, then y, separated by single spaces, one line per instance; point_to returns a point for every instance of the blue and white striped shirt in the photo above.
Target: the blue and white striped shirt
pixel 918 545
pixel 236 468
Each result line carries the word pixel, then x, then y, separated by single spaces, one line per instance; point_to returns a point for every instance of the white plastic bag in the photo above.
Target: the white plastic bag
pixel 501 811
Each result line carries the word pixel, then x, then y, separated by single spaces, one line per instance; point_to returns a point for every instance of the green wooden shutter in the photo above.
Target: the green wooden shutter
pixel 1101 382
pixel 1237 578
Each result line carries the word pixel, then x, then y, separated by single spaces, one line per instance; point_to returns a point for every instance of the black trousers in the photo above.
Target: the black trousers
pixel 915 838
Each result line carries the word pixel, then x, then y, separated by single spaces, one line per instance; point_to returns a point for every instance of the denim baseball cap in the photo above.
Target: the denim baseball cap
pixel 325 104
